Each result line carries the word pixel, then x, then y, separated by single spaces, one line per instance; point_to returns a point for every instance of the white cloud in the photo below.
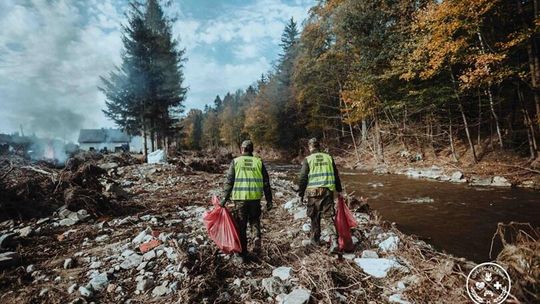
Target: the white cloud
pixel 53 52
pixel 49 73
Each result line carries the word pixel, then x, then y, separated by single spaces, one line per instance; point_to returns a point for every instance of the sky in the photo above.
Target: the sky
pixel 52 53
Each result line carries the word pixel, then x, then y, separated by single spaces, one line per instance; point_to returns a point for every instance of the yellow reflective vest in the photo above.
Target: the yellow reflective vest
pixel 321 171
pixel 248 179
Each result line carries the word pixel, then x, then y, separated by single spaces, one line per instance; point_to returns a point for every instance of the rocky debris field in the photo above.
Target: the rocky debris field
pixel 151 246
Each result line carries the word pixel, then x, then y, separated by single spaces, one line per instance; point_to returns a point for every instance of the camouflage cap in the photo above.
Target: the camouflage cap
pixel 313 142
pixel 247 144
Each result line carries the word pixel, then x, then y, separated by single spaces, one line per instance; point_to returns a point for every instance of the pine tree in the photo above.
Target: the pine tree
pixel 145 94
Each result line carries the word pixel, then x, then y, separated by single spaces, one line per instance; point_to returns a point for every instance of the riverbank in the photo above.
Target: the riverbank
pixel 151 245
pixel 495 169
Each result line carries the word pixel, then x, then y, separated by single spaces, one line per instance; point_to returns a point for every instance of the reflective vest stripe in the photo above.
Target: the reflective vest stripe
pixel 321 171
pixel 248 179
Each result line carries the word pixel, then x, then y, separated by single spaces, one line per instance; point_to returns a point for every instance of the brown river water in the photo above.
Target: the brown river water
pixel 455 218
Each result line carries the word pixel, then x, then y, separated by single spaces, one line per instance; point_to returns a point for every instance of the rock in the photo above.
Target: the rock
pixel 306 243
pixel 71 289
pixel 85 292
pixel 43 292
pixel 68 263
pixel 481 181
pixel 30 268
pixel 95 265
pixel 297 296
pixel 111 288
pixel 306 227
pixel 102 238
pixel 42 220
pixel 300 214
pixel 377 268
pixel 349 256
pixel 457 177
pixel 150 255
pixel 390 244
pixel 499 181
pixel 6 240
pixel 381 170
pixel 132 261
pixel 8 259
pixel 369 254
pixel 160 291
pixel 108 166
pixel 173 287
pixel 63 212
pixel 99 282
pixel 284 273
pixel 127 253
pixel 142 266
pixel 141 236
pixel 68 222
pixel 26 231
pixel 82 214
pixel 396 298
pixel 145 284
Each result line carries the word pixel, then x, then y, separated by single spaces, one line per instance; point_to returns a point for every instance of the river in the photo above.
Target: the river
pixel 456 218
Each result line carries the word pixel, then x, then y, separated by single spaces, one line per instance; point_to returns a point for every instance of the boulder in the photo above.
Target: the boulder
pixel 481 181
pixel 377 268
pixel 499 181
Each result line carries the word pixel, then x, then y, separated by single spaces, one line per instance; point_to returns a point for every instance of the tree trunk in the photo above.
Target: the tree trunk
pixel 478 140
pixel 451 137
pixel 534 64
pixel 495 117
pixel 364 129
pixel 464 117
pixel 145 143
pixel 531 136
pixel 490 95
pixel 378 140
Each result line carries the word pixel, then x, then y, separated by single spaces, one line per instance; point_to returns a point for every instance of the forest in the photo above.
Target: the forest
pixel 376 73
pixel 392 72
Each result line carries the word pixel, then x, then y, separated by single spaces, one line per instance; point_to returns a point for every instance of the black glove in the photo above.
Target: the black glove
pixel 223 202
pixel 269 206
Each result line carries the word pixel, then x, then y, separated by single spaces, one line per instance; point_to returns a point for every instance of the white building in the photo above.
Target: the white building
pixel 100 139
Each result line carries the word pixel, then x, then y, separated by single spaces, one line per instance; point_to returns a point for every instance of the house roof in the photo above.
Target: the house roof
pixel 102 136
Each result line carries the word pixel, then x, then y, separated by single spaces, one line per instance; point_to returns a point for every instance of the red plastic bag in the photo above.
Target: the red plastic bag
pixel 344 222
pixel 221 228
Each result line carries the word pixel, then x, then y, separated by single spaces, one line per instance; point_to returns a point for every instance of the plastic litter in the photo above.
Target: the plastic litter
pixel 344 222
pixel 221 228
pixel 157 157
